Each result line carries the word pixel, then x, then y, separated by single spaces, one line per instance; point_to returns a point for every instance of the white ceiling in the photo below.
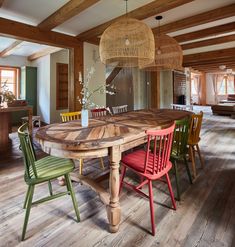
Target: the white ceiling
pixel 35 11
pixel 24 49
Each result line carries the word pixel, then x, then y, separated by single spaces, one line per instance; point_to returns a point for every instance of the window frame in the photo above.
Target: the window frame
pixel 17 79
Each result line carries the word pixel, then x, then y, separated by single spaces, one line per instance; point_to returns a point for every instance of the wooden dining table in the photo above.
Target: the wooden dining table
pixel 108 135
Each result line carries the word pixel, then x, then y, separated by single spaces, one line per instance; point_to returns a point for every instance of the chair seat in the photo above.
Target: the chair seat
pixel 51 167
pixel 136 161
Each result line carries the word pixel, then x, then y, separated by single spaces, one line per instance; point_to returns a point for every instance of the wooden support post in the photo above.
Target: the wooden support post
pixel 113 209
pixel 76 66
pixel 155 89
pixel 203 89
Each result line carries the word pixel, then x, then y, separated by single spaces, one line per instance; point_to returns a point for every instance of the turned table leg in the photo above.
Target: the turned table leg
pixel 113 209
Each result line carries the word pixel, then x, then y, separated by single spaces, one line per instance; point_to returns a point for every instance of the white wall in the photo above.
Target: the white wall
pixel 140 89
pixel 57 57
pixel 98 77
pixel 43 87
pixel 166 89
pixel 15 61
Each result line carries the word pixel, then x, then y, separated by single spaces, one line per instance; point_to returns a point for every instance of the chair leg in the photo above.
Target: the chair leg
pixel 187 169
pixel 50 187
pixel 193 161
pixel 123 172
pixel 28 208
pixel 200 157
pixel 151 207
pixel 177 179
pixel 80 166
pixel 170 190
pixel 26 197
pixel 70 188
pixel 101 163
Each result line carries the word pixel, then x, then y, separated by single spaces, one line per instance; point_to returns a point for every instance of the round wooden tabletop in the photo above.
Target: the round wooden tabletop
pixel 105 131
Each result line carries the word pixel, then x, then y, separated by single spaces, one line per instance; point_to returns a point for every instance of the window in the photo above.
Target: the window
pixel 10 77
pixel 226 86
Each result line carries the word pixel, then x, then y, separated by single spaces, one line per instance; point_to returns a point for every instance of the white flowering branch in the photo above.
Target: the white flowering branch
pixel 85 100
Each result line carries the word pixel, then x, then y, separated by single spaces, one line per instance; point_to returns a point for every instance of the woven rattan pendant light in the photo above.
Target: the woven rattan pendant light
pixel 168 53
pixel 127 43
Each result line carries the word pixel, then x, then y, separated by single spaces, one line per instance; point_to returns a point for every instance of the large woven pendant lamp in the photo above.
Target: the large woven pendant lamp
pixel 168 53
pixel 127 43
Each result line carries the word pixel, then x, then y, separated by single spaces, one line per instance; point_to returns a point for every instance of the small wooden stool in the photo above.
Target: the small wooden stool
pixel 35 119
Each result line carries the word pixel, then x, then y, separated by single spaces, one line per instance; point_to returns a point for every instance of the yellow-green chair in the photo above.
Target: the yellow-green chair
pixel 70 116
pixel 41 171
pixel 194 139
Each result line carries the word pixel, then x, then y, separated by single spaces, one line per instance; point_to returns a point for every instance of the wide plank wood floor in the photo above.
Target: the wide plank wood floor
pixel 204 217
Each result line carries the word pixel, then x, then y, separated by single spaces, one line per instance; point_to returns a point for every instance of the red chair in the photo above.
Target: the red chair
pixel 100 112
pixel 151 165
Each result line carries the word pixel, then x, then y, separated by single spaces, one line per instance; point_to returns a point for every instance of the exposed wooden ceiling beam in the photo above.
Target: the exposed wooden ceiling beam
pixel 210 61
pixel 70 9
pixel 43 53
pixel 30 33
pixel 208 32
pixel 10 48
pixel 206 17
pixel 209 42
pixel 210 55
pixel 1 3
pixel 148 10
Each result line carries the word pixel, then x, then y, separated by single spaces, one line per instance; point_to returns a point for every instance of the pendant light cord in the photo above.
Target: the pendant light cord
pixel 126 8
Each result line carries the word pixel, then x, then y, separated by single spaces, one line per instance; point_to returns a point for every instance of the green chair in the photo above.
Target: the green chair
pixel 179 150
pixel 40 171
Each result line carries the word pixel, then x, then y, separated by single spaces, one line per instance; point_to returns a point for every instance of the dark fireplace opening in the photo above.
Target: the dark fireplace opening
pixel 181 100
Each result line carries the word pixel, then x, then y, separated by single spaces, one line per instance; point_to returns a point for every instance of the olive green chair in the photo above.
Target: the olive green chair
pixel 40 171
pixel 179 150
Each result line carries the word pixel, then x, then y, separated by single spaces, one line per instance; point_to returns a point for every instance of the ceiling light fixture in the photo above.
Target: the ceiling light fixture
pixel 168 53
pixel 127 42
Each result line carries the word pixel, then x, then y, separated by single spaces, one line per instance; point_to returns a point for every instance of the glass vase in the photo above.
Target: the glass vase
pixel 84 118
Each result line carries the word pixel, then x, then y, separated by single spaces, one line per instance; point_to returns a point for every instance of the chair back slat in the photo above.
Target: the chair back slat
pixel 100 112
pixel 195 127
pixel 70 116
pixel 157 160
pixel 180 138
pixel 27 150
pixel 119 109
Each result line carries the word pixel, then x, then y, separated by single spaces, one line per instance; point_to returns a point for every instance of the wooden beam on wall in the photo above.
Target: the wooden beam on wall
pixel 30 33
pixel 209 42
pixel 42 53
pixel 206 17
pixel 113 74
pixel 208 32
pixel 148 10
pixel 10 49
pixel 70 9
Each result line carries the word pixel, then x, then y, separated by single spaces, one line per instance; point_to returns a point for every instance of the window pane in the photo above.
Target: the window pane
pixel 193 89
pixel 221 87
pixel 8 77
pixel 231 89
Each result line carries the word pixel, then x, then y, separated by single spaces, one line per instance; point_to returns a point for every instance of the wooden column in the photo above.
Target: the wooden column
pixel 113 209
pixel 155 89
pixel 76 66
pixel 4 131
pixel 203 89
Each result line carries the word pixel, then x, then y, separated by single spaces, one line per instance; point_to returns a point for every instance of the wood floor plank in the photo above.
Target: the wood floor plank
pixel 204 217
